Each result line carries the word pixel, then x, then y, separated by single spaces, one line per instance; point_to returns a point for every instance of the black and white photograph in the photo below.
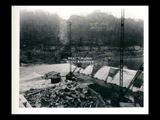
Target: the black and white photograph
pixel 79 59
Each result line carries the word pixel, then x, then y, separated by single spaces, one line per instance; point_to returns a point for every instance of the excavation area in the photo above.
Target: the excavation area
pixel 84 92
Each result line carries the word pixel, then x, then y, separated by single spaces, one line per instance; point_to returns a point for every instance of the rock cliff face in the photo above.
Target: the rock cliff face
pixel 63 34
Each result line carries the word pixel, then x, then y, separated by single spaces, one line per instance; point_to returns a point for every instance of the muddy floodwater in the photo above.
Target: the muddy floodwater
pixel 30 77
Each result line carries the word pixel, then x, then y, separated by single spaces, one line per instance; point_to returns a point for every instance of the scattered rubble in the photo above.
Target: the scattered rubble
pixel 66 94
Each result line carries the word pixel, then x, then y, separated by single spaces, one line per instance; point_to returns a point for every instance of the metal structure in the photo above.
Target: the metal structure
pixel 70 75
pixel 70 45
pixel 138 73
pixel 83 59
pixel 121 52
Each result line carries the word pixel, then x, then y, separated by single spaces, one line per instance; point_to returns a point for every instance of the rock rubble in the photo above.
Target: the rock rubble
pixel 67 94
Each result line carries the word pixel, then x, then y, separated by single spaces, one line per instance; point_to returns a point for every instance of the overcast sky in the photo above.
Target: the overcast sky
pixel 135 12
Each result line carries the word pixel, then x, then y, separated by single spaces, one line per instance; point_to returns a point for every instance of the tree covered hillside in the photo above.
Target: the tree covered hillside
pixel 101 27
pixel 40 29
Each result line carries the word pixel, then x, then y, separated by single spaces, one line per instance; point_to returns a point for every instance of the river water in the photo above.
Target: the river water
pixel 30 77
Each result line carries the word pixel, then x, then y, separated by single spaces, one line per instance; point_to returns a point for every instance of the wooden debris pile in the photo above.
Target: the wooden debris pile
pixel 66 94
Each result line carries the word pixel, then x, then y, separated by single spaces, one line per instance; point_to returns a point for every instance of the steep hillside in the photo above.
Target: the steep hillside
pixel 41 29
pixel 38 29
pixel 101 27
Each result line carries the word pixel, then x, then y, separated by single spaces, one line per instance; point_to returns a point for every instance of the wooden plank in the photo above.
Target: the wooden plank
pixel 128 104
pixel 23 102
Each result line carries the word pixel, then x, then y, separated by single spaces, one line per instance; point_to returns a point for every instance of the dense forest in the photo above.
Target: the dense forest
pixel 39 29
pixel 103 28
